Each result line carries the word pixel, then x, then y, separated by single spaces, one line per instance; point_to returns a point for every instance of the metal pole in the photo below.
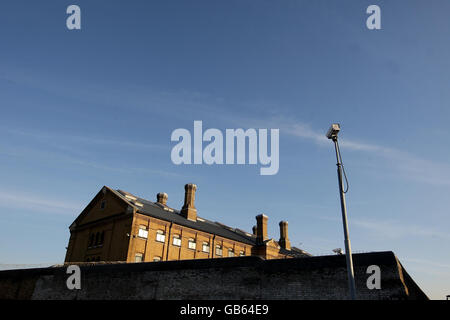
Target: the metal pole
pixel 348 250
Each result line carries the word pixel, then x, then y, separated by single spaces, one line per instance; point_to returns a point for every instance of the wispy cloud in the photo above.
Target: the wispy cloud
pixel 410 166
pixel 63 158
pixel 393 229
pixel 142 100
pixel 428 263
pixel 71 149
pixel 27 201
pixel 67 139
pixel 406 163
pixel 437 270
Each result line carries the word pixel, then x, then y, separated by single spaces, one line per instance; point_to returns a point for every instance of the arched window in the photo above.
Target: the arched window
pixel 91 240
pixel 102 237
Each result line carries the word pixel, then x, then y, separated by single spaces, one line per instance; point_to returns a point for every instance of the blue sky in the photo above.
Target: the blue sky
pixel 83 109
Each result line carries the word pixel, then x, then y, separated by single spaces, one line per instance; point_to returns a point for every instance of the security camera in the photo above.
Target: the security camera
pixel 338 251
pixel 333 131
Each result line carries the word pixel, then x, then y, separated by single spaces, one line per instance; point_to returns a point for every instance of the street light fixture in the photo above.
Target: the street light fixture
pixel 332 134
pixel 333 131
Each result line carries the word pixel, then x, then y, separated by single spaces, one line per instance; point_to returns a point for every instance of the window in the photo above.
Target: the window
pixel 103 204
pixel 191 244
pixel 143 233
pixel 205 247
pixel 218 250
pixel 160 236
pixel 176 240
pixel 230 253
pixel 241 254
pixel 138 257
pixel 156 259
pixel 91 240
pixel 96 239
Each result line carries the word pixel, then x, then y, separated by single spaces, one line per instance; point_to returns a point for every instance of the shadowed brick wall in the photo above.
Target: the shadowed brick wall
pixel 323 277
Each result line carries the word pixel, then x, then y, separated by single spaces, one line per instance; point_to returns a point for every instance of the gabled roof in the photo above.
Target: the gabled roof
pixel 163 212
pixel 92 203
pixel 159 211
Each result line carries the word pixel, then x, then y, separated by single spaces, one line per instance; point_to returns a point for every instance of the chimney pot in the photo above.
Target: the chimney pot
pixel 162 198
pixel 189 211
pixel 261 227
pixel 284 239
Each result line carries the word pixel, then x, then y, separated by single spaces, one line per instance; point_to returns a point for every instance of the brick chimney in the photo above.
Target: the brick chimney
pixel 162 198
pixel 284 240
pixel 261 227
pixel 188 211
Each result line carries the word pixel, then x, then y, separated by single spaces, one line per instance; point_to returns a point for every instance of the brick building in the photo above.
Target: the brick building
pixel 118 226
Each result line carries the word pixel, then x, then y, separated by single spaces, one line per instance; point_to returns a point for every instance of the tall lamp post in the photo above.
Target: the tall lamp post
pixel 332 135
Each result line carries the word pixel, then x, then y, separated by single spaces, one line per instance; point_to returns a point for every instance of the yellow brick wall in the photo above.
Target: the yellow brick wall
pixel 122 243
pixel 114 223
pixel 150 248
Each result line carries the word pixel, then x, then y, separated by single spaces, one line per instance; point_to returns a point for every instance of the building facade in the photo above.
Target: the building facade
pixel 119 226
